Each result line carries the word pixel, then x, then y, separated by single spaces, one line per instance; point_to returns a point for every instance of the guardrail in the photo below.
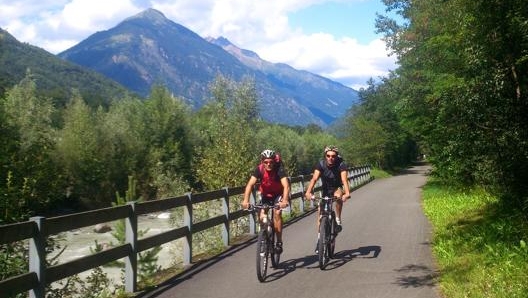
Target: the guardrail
pixel 38 228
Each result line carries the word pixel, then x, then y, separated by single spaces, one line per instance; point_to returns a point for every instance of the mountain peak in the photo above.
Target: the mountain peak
pixel 150 14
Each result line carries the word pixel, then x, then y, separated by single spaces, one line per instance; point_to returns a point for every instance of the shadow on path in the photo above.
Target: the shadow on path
pixel 312 261
pixel 416 276
pixel 345 256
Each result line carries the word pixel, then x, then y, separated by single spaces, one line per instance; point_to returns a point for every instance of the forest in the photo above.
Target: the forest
pixel 82 157
pixel 460 90
pixel 458 97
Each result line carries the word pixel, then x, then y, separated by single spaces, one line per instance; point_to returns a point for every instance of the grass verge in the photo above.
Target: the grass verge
pixel 479 243
pixel 378 173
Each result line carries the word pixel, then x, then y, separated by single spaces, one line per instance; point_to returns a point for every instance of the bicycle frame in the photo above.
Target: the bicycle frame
pixel 327 230
pixel 265 239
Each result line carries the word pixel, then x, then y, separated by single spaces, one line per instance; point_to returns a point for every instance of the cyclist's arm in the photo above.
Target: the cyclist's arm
pixel 249 187
pixel 346 187
pixel 309 189
pixel 285 192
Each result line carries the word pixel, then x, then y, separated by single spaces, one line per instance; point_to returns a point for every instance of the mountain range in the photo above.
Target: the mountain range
pixel 148 49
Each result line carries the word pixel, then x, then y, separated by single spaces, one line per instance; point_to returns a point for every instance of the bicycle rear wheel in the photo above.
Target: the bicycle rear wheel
pixel 323 242
pixel 262 255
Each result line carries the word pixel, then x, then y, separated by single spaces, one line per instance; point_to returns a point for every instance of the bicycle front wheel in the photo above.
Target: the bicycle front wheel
pixel 323 242
pixel 332 238
pixel 275 257
pixel 262 255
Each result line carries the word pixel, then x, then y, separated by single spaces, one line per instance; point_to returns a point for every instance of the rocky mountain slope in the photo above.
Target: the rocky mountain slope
pixel 148 49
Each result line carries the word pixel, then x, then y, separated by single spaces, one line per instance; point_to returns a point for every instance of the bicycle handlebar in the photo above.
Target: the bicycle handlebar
pixel 261 206
pixel 326 198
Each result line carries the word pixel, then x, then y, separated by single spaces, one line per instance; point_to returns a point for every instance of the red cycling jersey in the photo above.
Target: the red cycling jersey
pixel 270 182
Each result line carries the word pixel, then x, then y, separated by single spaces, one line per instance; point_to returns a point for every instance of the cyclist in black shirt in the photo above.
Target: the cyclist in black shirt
pixel 333 173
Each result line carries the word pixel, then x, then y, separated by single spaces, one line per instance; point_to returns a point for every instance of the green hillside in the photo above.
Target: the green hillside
pixel 55 78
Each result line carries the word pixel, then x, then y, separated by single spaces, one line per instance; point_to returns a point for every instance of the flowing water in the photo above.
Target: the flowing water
pixel 81 242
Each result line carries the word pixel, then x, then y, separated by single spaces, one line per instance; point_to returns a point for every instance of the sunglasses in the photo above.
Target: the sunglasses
pixel 267 162
pixel 331 155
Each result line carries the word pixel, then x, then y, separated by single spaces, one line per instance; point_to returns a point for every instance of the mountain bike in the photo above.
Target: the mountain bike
pixel 328 230
pixel 265 239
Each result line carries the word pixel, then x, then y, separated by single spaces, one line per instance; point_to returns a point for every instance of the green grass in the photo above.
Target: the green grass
pixel 479 243
pixel 377 173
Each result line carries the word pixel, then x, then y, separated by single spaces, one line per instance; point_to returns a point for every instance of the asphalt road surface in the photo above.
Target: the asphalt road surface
pixel 383 251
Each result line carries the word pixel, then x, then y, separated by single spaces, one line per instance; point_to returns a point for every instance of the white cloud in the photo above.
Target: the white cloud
pixel 342 60
pixel 260 26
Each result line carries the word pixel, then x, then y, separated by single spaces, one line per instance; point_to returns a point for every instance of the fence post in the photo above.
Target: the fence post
pixel 252 221
pixel 131 235
pixel 363 173
pixel 301 201
pixel 37 257
pixel 187 220
pixel 225 207
pixel 320 191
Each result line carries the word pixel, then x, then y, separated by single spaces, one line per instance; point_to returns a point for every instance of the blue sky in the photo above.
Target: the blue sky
pixel 332 38
pixel 355 19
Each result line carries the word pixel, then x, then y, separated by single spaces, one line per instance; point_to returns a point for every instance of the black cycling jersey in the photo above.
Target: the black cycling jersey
pixel 331 176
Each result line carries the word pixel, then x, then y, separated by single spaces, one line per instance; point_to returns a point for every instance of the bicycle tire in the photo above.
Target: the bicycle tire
pixel 332 237
pixel 323 240
pixel 262 255
pixel 275 257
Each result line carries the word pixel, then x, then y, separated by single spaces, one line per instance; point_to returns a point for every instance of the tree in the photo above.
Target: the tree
pixel 125 145
pixel 226 128
pixel 367 142
pixel 461 85
pixel 171 146
pixel 78 151
pixel 32 181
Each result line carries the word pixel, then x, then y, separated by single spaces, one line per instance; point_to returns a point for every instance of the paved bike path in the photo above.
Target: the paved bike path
pixel 383 251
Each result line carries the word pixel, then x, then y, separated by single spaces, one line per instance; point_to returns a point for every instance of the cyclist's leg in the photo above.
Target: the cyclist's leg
pixel 277 225
pixel 278 220
pixel 318 222
pixel 339 204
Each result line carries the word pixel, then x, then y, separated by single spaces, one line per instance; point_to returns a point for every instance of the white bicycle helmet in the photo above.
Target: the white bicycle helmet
pixel 331 148
pixel 268 153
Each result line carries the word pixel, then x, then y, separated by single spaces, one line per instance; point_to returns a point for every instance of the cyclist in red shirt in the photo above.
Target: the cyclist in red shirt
pixel 274 188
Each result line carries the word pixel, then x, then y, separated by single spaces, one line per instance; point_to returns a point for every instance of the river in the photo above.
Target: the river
pixel 79 243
